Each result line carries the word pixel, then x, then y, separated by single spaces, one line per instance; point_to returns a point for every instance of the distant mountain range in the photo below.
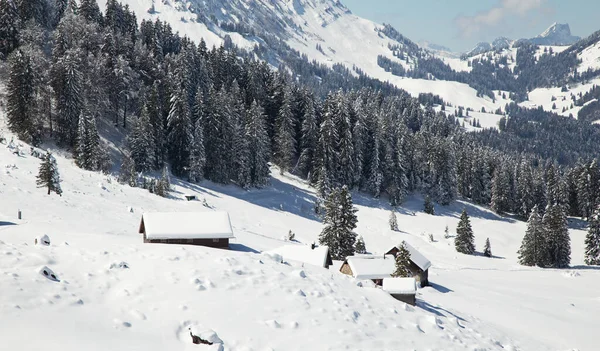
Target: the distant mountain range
pixel 556 35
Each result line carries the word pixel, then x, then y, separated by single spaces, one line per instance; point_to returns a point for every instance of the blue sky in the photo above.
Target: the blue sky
pixel 460 24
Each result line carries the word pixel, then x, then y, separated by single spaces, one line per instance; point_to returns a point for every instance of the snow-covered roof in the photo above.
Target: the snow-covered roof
pixel 404 286
pixel 372 267
pixel 303 253
pixel 417 258
pixel 186 225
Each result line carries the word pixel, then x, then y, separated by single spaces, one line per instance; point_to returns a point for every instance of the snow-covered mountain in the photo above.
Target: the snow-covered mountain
pixel 557 34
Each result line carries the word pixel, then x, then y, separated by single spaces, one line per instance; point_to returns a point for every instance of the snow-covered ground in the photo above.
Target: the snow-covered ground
pixel 251 301
pixel 548 97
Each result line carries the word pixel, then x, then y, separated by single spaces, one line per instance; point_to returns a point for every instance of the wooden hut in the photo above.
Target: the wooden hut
pixel 419 264
pixel 212 229
pixel 369 267
pixel 314 255
pixel 403 289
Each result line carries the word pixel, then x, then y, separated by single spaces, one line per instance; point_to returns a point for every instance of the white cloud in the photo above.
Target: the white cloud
pixel 472 25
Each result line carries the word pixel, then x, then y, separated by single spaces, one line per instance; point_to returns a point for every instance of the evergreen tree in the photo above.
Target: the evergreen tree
pixel 20 98
pixel 393 221
pixel 487 249
pixel 556 232
pixel 402 262
pixel 9 27
pixel 360 247
pixel 69 96
pixel 500 191
pixel 48 176
pixel 340 221
pixel 464 241
pixel 285 142
pixel 87 151
pixel 592 241
pixel 258 146
pixel 428 206
pixel 179 131
pixel 309 140
pixel 163 186
pixel 197 153
pixel 533 247
pixel 141 142
pixel 127 174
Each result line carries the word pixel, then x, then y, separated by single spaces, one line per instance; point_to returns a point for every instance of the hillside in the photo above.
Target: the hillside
pixel 250 300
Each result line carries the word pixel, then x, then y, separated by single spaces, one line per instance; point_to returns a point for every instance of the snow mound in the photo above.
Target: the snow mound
pixel 119 265
pixel 43 240
pixel 48 274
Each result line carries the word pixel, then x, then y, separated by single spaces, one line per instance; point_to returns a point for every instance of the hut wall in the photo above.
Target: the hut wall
pixel 216 243
pixel 409 299
pixel 346 269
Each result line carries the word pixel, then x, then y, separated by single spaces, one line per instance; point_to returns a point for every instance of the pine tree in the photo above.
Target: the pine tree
pixel 393 221
pixel 9 27
pixel 464 241
pixel 428 206
pixel 48 176
pixel 487 249
pixel 556 232
pixel 20 98
pixel 533 248
pixel 592 241
pixel 500 191
pixel 258 146
pixel 197 153
pixel 309 140
pixel 340 221
pixel 179 131
pixel 87 151
pixel 402 262
pixel 360 247
pixel 163 186
pixel 141 142
pixel 285 142
pixel 127 174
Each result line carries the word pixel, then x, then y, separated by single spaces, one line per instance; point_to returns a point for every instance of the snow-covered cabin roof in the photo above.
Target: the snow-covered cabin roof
pixel 372 267
pixel 186 225
pixel 416 257
pixel 303 253
pixel 403 286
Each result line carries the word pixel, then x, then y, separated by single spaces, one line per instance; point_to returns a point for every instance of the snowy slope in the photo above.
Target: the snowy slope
pixel 250 300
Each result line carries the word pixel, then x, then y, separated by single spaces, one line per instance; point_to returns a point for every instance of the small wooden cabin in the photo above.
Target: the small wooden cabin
pixel 369 267
pixel 314 255
pixel 402 289
pixel 419 264
pixel 212 229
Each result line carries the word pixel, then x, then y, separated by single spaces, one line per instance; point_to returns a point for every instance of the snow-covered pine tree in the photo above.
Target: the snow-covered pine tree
pixel 285 142
pixel 533 247
pixel 525 189
pixel 464 241
pixel 428 206
pixel 340 221
pixel 556 232
pixel 487 249
pixel 48 176
pixel 20 98
pixel 163 186
pixel 179 131
pixel 9 27
pixel 258 146
pixel 393 221
pixel 344 172
pixel 87 150
pixel 127 174
pixel 446 233
pixel 328 148
pixel 197 153
pixel 309 140
pixel 360 247
pixel 592 240
pixel 69 97
pixel 500 191
pixel 141 142
pixel 402 262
